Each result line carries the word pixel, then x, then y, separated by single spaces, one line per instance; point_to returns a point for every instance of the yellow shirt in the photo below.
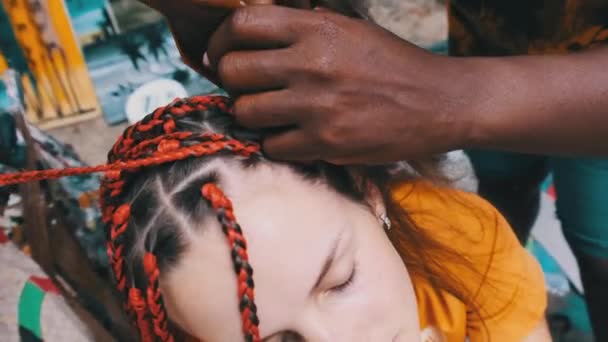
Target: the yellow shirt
pixel 512 298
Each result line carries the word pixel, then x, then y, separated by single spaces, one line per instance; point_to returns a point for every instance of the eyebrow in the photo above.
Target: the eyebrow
pixel 329 260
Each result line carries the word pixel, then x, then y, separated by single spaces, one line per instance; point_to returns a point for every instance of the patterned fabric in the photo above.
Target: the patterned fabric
pixel 77 194
pixel 519 27
pixel 31 308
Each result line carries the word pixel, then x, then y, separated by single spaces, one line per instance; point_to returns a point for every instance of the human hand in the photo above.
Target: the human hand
pixel 193 21
pixel 337 88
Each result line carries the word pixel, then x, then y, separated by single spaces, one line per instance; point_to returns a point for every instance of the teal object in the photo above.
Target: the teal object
pixel 581 185
pixel 547 183
pixel 440 48
pixel 10 47
pixel 5 101
pixel 30 308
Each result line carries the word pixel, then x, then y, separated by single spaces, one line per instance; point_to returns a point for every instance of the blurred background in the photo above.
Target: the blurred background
pixel 78 71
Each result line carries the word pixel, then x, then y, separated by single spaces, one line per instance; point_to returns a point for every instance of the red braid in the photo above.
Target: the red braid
pixel 240 259
pixel 154 299
pixel 154 141
pixel 138 305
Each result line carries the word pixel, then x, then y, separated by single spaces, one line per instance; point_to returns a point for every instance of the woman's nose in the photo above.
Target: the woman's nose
pixel 315 328
pixel 319 327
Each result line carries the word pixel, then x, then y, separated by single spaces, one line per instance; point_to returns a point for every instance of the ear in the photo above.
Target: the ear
pixel 373 195
pixel 375 200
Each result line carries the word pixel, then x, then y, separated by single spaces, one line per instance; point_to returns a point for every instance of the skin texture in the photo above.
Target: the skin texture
pixel 527 103
pixel 323 90
pixel 193 21
pixel 199 290
pixel 328 90
pixel 330 86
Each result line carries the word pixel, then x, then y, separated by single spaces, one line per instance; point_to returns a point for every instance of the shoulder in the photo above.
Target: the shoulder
pixel 505 281
pixel 449 214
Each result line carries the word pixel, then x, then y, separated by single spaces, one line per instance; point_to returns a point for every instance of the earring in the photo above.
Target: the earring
pixel 386 222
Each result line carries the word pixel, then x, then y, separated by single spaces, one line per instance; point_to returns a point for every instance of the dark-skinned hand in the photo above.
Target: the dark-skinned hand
pixel 193 21
pixel 339 89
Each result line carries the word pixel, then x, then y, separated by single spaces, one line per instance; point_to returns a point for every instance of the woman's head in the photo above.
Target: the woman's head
pixel 324 267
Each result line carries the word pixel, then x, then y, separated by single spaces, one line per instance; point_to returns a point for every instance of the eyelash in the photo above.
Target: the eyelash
pixel 347 283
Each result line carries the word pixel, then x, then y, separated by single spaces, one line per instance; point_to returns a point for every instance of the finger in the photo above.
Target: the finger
pixel 344 161
pixel 256 27
pixel 356 160
pixel 192 41
pixel 295 3
pixel 359 156
pixel 291 145
pixel 253 71
pixel 268 110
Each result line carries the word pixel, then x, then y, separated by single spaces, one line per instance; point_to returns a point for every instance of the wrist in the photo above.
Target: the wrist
pixel 494 92
pixel 467 80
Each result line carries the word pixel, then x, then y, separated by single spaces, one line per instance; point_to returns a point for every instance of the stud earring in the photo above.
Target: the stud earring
pixel 386 222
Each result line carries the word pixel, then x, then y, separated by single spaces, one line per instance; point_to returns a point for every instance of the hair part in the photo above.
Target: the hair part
pixel 164 176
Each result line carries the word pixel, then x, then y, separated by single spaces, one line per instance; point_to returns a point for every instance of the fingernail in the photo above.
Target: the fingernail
pixel 206 63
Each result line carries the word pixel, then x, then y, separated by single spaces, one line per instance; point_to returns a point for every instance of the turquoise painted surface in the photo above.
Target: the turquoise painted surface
pixel 5 101
pixel 86 15
pixel 9 46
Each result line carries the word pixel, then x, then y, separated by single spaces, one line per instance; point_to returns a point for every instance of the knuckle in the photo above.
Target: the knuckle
pixel 330 137
pixel 328 105
pixel 240 20
pixel 333 126
pixel 321 67
pixel 325 65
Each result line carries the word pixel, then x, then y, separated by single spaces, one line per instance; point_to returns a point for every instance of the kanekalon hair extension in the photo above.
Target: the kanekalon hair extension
pixel 159 182
pixel 157 140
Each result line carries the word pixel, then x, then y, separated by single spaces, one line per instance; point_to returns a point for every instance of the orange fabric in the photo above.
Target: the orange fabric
pixel 507 28
pixel 511 298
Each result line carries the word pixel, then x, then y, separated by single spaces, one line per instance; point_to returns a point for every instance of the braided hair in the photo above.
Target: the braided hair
pixel 167 150
pixel 158 183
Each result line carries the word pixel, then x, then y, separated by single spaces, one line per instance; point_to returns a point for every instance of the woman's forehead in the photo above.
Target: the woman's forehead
pixel 282 216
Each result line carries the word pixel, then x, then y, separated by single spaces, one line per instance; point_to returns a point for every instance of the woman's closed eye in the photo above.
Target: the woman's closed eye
pixel 291 337
pixel 349 281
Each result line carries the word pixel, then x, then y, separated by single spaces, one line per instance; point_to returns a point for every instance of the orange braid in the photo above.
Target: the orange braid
pixel 162 156
pixel 138 304
pixel 151 142
pixel 154 299
pixel 118 226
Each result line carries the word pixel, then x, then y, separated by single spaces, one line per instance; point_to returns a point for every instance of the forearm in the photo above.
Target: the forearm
pixel 541 104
